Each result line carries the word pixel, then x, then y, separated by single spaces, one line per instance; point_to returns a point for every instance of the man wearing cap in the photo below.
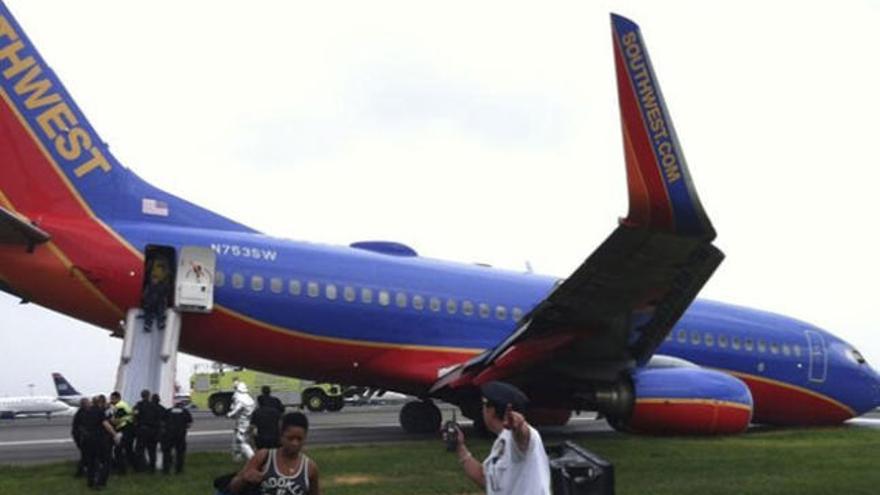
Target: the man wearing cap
pixel 517 463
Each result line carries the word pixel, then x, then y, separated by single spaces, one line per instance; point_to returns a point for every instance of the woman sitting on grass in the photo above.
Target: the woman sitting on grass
pixel 283 471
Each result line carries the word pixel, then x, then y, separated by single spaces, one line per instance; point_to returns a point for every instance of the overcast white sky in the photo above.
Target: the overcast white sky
pixel 481 132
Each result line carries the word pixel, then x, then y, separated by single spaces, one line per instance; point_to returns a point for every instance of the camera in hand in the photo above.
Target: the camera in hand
pixel 450 434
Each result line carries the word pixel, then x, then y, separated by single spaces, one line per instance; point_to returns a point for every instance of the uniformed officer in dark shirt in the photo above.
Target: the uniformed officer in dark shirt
pixel 175 422
pixel 271 400
pixel 98 437
pixel 77 431
pixel 147 418
pixel 265 420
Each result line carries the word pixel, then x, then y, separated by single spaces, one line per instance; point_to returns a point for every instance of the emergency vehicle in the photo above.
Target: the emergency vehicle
pixel 211 387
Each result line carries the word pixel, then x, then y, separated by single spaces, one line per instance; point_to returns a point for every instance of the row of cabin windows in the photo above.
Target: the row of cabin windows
pixel 383 297
pixel 735 343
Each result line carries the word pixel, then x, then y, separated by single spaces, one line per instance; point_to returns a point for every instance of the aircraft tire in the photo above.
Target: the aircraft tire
pixel 420 417
pixel 335 403
pixel 617 424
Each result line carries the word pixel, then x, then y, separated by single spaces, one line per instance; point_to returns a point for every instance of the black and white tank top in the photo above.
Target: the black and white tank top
pixel 276 483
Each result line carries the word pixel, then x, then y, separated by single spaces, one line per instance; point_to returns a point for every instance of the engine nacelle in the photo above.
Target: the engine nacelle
pixel 690 401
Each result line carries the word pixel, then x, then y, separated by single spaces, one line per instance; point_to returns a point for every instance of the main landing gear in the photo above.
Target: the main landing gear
pixel 421 416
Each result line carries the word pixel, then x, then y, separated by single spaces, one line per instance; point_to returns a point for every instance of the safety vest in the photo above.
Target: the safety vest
pixel 122 415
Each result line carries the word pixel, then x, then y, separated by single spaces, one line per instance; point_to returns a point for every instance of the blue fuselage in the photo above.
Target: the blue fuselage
pixel 369 297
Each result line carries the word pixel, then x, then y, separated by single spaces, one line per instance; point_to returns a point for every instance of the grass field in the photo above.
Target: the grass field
pixel 843 460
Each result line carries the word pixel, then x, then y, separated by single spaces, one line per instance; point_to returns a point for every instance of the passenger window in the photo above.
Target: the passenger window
pixel 500 312
pixel 257 283
pixel 484 310
pixel 275 285
pixel 467 308
pixel 418 302
pixel 294 287
pixel 709 339
pixel 749 345
pixel 366 296
pixel 237 280
pixel 774 347
pixel 682 336
pixel 435 304
pixel 451 306
pixel 312 289
pixel 349 294
pixel 786 350
pixel 219 278
pixel 722 341
pixel 384 298
pixel 330 292
pixel 762 346
pixel 400 298
pixel 735 343
pixel 695 338
pixel 797 350
pixel 517 313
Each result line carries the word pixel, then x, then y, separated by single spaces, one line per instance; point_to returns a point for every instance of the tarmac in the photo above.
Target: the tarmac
pixel 40 440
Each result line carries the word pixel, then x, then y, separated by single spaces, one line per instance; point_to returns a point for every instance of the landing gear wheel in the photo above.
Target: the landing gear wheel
pixel 316 401
pixel 335 404
pixel 617 424
pixel 420 417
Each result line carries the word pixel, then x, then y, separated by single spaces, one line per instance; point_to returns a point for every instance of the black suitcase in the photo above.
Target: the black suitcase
pixel 577 471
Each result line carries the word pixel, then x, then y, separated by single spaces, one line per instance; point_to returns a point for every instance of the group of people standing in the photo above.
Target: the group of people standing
pixel 114 435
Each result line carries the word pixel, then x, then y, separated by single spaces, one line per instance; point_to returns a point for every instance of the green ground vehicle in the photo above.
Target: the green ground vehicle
pixel 211 388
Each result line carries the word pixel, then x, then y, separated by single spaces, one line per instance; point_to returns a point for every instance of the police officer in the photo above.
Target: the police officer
pixel 97 437
pixel 175 422
pixel 271 401
pixel 147 418
pixel 265 419
pixel 122 421
pixel 77 431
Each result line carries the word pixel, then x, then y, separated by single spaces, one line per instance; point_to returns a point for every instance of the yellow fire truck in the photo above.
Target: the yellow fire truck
pixel 211 387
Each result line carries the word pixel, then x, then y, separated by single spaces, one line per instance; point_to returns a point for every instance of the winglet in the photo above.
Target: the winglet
pixel 662 195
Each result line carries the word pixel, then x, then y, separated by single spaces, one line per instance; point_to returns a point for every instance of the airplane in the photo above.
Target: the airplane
pixel 66 392
pixel 14 407
pixel 623 335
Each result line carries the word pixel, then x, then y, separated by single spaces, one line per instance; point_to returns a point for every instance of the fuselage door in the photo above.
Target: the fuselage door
pixel 195 279
pixel 818 356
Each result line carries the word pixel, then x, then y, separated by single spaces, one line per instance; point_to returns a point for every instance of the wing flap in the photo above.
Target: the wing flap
pixel 16 229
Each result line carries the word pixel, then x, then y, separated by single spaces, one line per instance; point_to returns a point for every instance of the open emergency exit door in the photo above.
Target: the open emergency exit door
pixel 195 280
pixel 149 355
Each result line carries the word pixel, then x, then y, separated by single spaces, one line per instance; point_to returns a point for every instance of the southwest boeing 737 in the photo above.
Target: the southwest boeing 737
pixel 623 335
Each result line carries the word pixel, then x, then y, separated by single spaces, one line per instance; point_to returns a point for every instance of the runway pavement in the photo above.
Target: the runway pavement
pixel 38 440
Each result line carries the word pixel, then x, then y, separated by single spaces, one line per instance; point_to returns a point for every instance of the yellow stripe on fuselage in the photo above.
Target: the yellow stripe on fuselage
pixel 700 402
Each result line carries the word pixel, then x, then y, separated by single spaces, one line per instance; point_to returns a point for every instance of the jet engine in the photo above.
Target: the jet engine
pixel 685 400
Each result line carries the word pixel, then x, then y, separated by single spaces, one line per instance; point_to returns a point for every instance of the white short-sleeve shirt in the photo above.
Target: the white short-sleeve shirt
pixel 509 471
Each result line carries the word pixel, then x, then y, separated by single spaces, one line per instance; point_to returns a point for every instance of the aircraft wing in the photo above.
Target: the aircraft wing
pixel 619 305
pixel 15 229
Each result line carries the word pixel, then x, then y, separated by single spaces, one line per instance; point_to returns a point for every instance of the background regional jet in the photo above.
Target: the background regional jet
pixel 621 335
pixel 13 407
